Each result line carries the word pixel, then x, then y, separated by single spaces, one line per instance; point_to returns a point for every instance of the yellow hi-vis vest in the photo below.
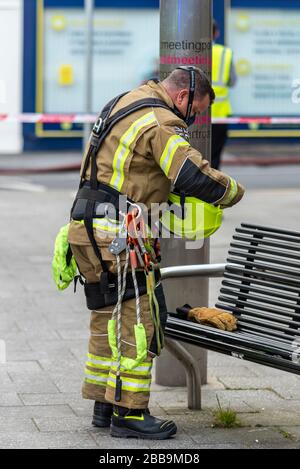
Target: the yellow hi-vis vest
pixel 222 59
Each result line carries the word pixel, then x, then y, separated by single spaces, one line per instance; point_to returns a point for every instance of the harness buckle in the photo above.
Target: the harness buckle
pixel 98 126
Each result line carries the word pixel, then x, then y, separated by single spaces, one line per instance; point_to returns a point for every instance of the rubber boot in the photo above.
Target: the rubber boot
pixel 102 414
pixel 126 423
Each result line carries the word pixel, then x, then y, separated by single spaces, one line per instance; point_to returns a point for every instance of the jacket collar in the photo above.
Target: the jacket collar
pixel 160 92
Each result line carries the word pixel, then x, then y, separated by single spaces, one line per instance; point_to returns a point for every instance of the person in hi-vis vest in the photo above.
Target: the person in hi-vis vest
pixel 223 77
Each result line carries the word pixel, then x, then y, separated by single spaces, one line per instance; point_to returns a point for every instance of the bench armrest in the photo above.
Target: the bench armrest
pixel 198 270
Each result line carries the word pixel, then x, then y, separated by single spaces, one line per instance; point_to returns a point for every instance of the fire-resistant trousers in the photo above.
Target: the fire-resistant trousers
pixel 100 370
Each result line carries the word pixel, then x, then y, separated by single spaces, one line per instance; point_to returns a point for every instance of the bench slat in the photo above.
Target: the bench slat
pixel 266 260
pixel 242 305
pixel 258 228
pixel 278 253
pixel 267 234
pixel 264 291
pixel 264 242
pixel 265 300
pixel 264 283
pixel 288 274
pixel 248 274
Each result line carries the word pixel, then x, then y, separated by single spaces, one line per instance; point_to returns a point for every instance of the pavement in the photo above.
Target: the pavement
pixel 46 333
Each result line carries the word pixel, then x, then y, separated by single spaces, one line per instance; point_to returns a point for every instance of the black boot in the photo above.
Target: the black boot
pixel 126 423
pixel 102 414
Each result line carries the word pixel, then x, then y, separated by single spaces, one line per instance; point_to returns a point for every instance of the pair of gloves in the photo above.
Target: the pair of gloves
pixel 210 317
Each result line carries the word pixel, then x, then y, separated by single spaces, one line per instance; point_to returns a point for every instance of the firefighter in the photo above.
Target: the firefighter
pixel 139 148
pixel 223 78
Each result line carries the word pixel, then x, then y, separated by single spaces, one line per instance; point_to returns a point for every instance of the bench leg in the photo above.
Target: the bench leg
pixel 193 375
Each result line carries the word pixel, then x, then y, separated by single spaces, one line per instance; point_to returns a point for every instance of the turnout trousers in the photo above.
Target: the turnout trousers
pixel 100 370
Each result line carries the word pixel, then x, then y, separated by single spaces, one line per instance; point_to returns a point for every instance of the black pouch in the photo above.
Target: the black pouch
pixel 94 298
pixel 105 293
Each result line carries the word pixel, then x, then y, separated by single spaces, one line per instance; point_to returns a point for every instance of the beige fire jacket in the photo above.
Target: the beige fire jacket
pixel 148 151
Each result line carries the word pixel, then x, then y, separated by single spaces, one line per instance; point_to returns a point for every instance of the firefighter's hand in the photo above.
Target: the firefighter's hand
pixel 213 317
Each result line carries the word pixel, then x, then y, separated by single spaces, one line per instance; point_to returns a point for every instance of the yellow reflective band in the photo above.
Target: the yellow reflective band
pixel 135 417
pixel 96 373
pixel 97 357
pixel 95 378
pixel 135 372
pixel 232 192
pixel 98 362
pixel 172 146
pixel 94 381
pixel 130 384
pixel 104 363
pixel 125 148
pixel 110 226
pixel 97 365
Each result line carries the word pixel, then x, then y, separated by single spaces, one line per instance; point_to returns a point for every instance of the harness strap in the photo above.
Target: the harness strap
pixel 109 123
pixel 104 194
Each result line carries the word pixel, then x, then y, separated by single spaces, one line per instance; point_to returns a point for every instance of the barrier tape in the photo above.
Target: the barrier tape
pixel 90 119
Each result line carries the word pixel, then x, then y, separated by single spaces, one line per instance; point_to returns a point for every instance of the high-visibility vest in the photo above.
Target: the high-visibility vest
pixel 222 59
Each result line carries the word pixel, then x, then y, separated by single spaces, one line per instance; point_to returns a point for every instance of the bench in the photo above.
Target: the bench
pixel 261 287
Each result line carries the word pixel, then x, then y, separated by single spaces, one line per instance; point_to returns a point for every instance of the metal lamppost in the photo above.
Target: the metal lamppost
pixel 186 39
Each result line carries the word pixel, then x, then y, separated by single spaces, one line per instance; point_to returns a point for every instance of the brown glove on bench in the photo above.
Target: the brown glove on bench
pixel 213 317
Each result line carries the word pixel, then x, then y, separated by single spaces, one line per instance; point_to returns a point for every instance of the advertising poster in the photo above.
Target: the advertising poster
pixel 266 45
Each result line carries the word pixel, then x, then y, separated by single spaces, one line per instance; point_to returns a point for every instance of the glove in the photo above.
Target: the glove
pixel 213 317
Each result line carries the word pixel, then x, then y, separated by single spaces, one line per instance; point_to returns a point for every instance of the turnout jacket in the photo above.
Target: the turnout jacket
pixel 148 152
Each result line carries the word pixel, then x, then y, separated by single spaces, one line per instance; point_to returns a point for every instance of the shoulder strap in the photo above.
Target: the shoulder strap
pixel 107 123
pixel 96 133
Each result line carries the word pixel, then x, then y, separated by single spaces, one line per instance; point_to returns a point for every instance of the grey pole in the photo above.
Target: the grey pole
pixel 89 15
pixel 185 39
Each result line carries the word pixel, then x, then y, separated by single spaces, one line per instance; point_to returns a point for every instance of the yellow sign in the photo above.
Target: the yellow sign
pixel 66 75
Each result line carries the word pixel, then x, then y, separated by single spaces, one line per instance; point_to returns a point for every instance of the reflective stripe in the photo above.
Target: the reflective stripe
pixel 110 226
pixel 132 385
pixel 106 225
pixel 107 364
pixel 99 359
pixel 172 146
pixel 95 378
pixel 96 374
pixel 139 371
pixel 124 148
pixel 103 224
pixel 98 362
pixel 92 380
pixel 232 192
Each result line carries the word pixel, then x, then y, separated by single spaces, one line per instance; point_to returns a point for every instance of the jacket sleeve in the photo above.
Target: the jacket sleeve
pixel 189 171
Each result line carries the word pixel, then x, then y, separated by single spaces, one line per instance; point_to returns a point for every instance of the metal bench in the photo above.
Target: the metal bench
pixel 261 287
